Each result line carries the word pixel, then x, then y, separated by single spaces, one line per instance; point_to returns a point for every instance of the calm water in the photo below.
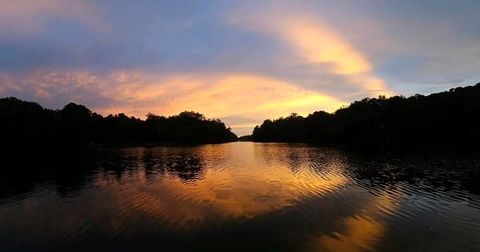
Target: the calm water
pixel 267 197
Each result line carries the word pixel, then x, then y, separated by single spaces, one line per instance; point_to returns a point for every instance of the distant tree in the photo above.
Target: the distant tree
pixel 26 126
pixel 444 120
pixel 247 138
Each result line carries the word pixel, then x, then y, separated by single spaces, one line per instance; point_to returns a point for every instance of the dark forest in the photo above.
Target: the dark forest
pixel 28 127
pixel 448 120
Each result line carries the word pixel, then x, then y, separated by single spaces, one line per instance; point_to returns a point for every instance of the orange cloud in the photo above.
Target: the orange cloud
pixel 316 43
pixel 225 95
pixel 221 95
pixel 319 44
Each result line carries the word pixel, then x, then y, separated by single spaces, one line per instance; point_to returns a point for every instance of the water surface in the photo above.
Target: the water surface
pixel 266 197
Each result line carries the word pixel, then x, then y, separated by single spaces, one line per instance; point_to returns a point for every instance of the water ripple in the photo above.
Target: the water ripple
pixel 295 196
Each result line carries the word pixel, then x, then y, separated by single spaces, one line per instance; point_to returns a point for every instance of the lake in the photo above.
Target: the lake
pixel 243 196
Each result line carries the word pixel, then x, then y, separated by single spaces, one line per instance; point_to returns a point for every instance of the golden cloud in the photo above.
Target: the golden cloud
pixel 219 96
pixel 319 44
pixel 223 95
pixel 316 43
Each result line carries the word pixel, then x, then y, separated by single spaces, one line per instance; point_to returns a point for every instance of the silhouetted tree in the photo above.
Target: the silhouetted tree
pixel 443 120
pixel 27 127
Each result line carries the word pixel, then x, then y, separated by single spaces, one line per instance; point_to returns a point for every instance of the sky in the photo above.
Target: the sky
pixel 239 61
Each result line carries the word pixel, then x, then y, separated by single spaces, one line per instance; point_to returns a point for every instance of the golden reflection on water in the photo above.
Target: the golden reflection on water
pixel 258 183
pixel 244 180
pixel 304 194
pixel 362 232
pixel 259 196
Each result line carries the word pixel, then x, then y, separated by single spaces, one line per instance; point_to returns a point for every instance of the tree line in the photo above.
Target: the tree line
pixel 448 119
pixel 27 125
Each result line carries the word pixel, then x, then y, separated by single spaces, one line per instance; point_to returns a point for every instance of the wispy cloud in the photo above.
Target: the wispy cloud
pixel 26 16
pixel 242 61
pixel 316 45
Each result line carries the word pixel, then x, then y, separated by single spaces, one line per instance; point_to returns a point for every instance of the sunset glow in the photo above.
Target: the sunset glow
pixel 241 62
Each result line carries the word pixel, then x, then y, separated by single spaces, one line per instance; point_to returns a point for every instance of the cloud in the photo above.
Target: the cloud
pixel 26 16
pixel 242 62
pixel 317 70
pixel 317 45
pixel 226 95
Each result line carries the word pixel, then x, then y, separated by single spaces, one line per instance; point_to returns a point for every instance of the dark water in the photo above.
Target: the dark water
pixel 266 197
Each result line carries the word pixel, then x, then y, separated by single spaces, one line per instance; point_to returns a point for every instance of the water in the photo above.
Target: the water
pixel 265 197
